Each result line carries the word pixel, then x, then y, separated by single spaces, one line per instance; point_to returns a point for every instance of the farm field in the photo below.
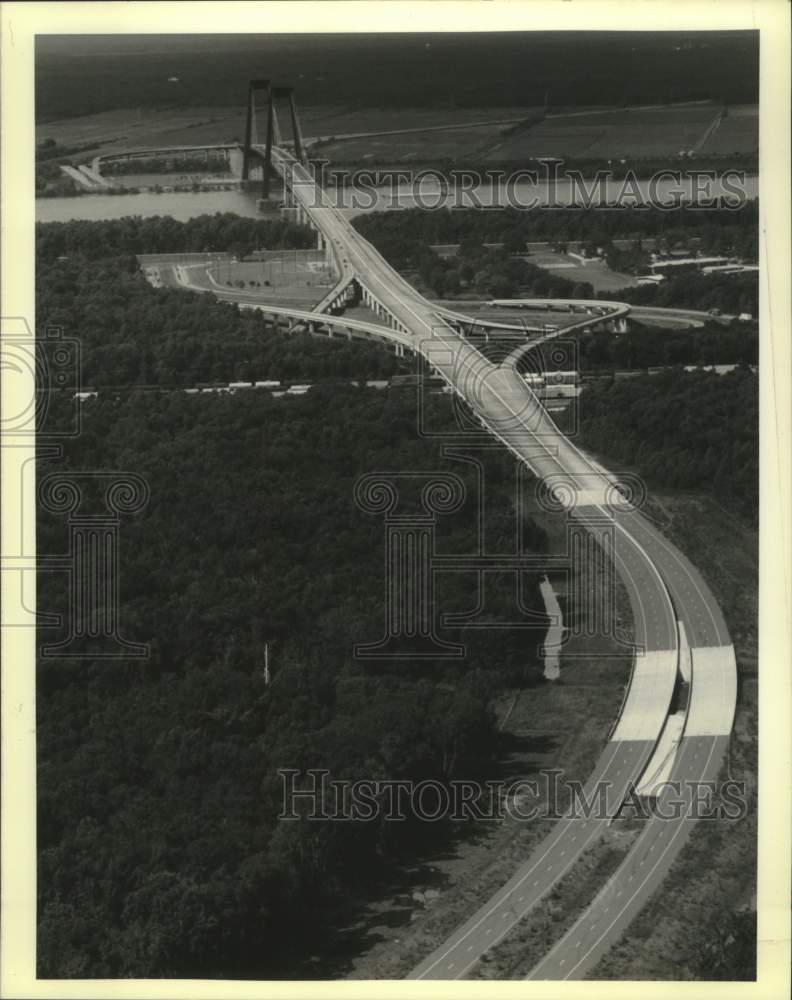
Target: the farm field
pixel 473 142
pixel 584 134
pixel 595 133
pixel 738 132
pixel 318 121
pixel 645 132
pixel 110 131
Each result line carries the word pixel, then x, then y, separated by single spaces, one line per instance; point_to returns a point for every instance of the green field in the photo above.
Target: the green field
pixel 610 134
pixel 595 272
pixel 593 134
pixel 596 134
pixel 737 132
pixel 472 143
pixel 110 131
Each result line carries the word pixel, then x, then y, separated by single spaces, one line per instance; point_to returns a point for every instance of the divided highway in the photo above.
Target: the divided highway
pixel 668 597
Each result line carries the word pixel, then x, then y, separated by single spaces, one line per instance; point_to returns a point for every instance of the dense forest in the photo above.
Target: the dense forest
pixel 646 347
pixel 714 231
pixel 132 334
pixel 681 430
pixel 730 293
pixel 220 232
pixel 642 347
pixel 160 854
pixel 405 239
pixel 484 271
pixel 77 75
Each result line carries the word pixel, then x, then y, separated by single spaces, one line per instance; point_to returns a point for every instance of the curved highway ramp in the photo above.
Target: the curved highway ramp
pixel 679 629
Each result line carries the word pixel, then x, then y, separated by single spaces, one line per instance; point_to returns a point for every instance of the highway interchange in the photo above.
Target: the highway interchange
pixel 680 633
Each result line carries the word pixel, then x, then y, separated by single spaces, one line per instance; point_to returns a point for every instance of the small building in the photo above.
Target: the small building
pixel 554 385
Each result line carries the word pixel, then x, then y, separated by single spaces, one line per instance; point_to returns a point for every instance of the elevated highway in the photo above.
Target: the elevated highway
pixel 666 593
pixel 196 278
pixel 668 598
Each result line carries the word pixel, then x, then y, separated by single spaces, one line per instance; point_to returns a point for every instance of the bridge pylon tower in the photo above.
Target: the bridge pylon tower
pixel 273 132
pixel 253 87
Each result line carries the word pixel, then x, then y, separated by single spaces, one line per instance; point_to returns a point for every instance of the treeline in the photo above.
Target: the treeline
pixel 160 851
pixel 167 165
pixel 163 234
pixel 487 272
pixel 501 70
pixel 642 167
pixel 132 334
pixel 405 238
pixel 721 231
pixel 731 293
pixel 51 182
pixel 49 149
pixel 648 347
pixel 694 430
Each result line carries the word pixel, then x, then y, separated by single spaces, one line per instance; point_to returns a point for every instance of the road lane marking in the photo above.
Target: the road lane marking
pixel 380 282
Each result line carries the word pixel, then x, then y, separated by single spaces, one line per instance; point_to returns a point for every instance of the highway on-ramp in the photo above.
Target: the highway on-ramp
pixel 666 592
pixel 668 598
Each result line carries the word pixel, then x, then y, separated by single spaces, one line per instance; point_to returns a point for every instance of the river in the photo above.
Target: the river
pixel 184 205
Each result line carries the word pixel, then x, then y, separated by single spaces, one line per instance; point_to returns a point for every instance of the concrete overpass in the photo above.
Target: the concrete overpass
pixel 667 595
pixel 664 589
